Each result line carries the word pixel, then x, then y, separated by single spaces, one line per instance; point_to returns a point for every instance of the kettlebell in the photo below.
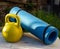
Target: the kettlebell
pixel 12 31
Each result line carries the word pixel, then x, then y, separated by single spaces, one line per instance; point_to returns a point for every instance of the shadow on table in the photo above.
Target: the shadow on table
pixel 27 41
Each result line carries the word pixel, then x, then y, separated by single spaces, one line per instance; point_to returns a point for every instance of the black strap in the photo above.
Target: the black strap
pixel 18 12
pixel 45 33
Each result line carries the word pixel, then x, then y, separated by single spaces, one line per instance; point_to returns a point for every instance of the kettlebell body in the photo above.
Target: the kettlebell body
pixel 12 31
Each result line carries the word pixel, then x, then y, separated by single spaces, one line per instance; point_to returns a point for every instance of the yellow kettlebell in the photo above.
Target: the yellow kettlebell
pixel 12 31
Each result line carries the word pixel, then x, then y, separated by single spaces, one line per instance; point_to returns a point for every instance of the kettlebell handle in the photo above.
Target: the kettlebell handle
pixel 12 16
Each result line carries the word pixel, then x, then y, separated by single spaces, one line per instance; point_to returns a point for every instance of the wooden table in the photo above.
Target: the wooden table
pixel 28 42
